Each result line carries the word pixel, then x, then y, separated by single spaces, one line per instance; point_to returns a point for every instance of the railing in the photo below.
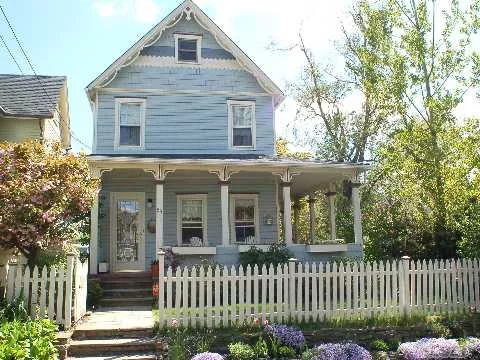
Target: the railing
pixel 57 292
pixel 221 296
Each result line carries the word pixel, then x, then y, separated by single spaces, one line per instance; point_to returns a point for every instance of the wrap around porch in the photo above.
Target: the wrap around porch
pixel 212 209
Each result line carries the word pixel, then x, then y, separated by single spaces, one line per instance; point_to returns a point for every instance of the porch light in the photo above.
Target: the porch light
pixel 268 219
pixel 149 203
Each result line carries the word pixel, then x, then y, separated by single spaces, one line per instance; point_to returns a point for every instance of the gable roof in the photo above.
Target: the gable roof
pixel 29 96
pixel 191 11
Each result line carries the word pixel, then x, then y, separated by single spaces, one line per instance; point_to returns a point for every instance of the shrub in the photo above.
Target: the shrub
pixel 470 348
pixel 337 352
pixel 241 351
pixel 286 352
pixel 286 335
pixel 275 255
pixel 14 310
pixel 31 340
pixel 184 344
pixel 208 356
pixel 430 349
pixel 379 345
pixel 438 329
pixel 393 344
pixel 261 348
pixel 94 293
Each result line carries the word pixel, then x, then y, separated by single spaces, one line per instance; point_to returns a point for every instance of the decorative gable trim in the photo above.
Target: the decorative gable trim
pixel 169 61
pixel 191 11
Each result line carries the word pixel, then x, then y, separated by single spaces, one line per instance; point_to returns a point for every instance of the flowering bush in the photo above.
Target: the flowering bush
pixel 286 335
pixel 470 348
pixel 208 356
pixel 430 349
pixel 347 351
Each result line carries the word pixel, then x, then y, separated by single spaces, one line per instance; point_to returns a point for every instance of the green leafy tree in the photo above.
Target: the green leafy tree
pixel 45 195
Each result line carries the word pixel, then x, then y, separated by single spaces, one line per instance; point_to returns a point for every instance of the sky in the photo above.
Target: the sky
pixel 81 38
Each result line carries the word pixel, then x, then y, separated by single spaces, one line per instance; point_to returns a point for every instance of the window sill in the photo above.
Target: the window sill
pixel 327 248
pixel 245 248
pixel 194 250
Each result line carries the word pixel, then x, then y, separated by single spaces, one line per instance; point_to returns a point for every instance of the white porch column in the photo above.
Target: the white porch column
pixel 311 210
pixel 333 214
pixel 287 213
pixel 296 216
pixel 224 174
pixel 159 175
pixel 357 215
pixel 225 217
pixel 93 247
pixel 158 215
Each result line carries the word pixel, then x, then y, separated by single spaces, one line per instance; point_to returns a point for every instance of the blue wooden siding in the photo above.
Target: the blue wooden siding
pixel 185 124
pixel 180 183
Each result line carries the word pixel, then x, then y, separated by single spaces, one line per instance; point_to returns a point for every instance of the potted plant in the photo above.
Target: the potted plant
pixel 154 268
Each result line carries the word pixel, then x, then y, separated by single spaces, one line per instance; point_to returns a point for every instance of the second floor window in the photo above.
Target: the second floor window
pixel 130 122
pixel 188 48
pixel 241 116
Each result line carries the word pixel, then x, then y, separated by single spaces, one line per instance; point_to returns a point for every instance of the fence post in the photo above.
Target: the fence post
pixel 161 274
pixel 68 291
pixel 291 287
pixel 404 285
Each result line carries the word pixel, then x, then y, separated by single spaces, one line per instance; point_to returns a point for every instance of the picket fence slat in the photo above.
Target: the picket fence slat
pixel 224 296
pixel 48 292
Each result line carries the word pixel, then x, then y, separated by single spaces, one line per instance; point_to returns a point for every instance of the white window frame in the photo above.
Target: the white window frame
pixel 189 37
pixel 231 103
pixel 256 218
pixel 202 197
pixel 118 102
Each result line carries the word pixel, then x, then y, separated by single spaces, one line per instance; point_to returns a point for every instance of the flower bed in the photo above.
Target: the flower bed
pixel 440 348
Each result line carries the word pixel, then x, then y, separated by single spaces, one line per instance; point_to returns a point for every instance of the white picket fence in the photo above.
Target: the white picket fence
pixel 215 297
pixel 56 292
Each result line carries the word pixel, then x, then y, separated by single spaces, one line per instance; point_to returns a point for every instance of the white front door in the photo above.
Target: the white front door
pixel 127 231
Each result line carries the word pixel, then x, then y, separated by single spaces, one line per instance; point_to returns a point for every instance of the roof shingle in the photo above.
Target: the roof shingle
pixel 29 96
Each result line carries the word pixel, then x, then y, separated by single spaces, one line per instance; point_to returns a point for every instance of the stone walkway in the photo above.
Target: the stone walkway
pixel 118 319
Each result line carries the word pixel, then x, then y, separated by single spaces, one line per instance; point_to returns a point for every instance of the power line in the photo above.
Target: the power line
pixel 11 55
pixel 53 103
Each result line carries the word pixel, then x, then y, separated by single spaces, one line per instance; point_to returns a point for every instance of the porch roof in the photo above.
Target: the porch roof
pixel 308 175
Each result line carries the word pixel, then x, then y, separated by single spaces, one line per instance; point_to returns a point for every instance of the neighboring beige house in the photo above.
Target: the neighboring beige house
pixel 34 107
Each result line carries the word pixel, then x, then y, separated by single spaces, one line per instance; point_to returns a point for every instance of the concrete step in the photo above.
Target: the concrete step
pixel 110 284
pixel 128 293
pixel 108 333
pixel 119 356
pixel 127 346
pixel 126 301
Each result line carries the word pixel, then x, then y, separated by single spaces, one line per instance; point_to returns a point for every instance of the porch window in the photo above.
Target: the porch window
pixel 191 212
pixel 244 215
pixel 130 122
pixel 188 48
pixel 241 116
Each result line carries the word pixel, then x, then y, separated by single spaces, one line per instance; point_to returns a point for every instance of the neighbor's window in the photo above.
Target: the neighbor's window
pixel 242 123
pixel 188 48
pixel 130 122
pixel 192 220
pixel 244 218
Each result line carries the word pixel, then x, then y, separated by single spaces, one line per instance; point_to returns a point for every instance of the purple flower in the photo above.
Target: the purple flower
pixel 208 356
pixel 430 349
pixel 286 335
pixel 471 347
pixel 347 351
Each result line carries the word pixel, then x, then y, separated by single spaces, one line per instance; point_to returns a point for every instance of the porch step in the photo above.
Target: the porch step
pixel 124 346
pixel 128 293
pixel 119 356
pixel 106 333
pixel 126 301
pixel 126 283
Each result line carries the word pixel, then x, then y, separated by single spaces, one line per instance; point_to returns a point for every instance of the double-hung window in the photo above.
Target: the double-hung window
pixel 130 122
pixel 188 48
pixel 192 220
pixel 241 121
pixel 244 217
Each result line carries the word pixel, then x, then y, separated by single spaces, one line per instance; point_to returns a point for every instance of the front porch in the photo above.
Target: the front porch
pixel 210 210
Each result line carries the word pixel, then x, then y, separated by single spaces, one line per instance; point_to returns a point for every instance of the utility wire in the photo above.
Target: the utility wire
pixel 53 103
pixel 11 55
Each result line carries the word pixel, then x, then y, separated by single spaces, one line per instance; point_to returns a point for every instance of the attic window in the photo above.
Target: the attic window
pixel 188 48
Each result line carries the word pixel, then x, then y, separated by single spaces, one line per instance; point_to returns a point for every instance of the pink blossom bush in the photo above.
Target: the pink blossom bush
pixel 430 349
pixel 208 356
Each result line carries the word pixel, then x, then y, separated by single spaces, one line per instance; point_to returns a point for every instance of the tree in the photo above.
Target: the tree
pixel 320 93
pixel 45 194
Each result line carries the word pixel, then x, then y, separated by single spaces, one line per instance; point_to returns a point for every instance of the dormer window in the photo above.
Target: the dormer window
pixel 188 48
pixel 241 124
